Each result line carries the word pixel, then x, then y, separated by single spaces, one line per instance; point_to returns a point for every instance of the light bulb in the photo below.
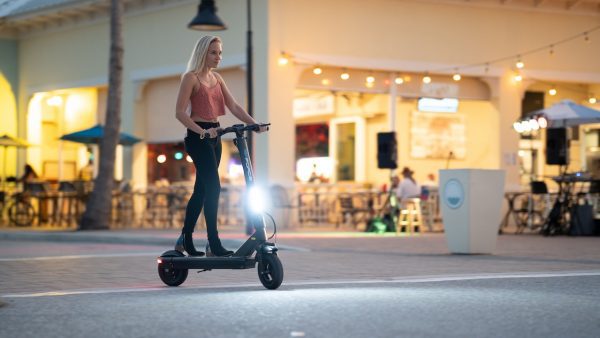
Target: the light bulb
pixel 552 91
pixel 518 78
pixel 517 127
pixel 592 100
pixel 456 77
pixel 426 79
pixel 370 79
pixel 161 158
pixel 283 59
pixel 325 82
pixel 317 70
pixel 542 122
pixel 519 64
pixel 533 123
pixel 345 75
pixel 398 80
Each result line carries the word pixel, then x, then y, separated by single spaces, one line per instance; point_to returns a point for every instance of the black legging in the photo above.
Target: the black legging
pixel 206 154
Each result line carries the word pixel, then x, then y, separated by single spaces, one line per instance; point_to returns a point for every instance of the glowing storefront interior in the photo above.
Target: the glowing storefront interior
pixel 53 114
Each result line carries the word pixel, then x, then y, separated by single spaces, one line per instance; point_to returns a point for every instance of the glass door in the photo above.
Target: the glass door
pixel 347 144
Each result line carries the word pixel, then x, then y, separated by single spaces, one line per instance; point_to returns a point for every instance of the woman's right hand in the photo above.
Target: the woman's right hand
pixel 211 132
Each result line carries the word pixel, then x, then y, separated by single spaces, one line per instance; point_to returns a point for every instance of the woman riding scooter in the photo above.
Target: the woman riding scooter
pixel 205 91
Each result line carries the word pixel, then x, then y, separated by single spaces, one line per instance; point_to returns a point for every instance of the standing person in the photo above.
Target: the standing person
pixel 408 187
pixel 205 91
pixel 29 174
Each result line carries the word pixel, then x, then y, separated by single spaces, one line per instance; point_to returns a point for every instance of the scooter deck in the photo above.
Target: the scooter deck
pixel 210 263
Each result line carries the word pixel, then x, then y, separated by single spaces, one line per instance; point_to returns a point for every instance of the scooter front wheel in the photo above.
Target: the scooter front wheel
pixel 270 271
pixel 170 276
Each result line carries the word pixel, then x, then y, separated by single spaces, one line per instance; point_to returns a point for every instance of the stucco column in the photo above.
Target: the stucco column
pixel 506 97
pixel 128 121
pixel 273 99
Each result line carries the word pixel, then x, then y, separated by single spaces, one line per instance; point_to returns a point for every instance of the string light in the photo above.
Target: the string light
pixel 325 82
pixel 552 91
pixel 518 77
pixel 542 122
pixel 162 158
pixel 592 99
pixel 369 84
pixel 519 63
pixel 456 76
pixel 283 59
pixel 426 78
pixel 345 75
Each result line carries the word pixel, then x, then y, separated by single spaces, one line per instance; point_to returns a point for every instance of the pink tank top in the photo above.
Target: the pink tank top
pixel 208 102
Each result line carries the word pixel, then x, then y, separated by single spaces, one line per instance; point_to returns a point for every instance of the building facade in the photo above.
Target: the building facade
pixel 54 64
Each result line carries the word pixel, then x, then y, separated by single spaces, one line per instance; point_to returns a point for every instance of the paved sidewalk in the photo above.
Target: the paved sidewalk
pixel 522 250
pixel 323 256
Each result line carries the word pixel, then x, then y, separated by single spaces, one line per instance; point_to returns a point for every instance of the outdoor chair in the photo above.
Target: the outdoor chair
pixel 282 203
pixel 533 208
pixel 350 212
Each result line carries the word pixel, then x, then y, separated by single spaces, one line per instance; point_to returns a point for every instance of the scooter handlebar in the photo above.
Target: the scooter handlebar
pixel 239 128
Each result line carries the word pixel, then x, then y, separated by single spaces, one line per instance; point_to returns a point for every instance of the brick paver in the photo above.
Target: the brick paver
pixel 311 257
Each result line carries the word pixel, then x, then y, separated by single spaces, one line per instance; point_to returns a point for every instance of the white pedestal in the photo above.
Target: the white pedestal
pixel 471 202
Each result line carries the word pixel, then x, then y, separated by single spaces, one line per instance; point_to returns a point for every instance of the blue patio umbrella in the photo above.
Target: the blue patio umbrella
pixel 95 134
pixel 567 113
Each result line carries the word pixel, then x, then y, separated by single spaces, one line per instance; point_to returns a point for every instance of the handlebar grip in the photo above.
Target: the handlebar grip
pixel 240 127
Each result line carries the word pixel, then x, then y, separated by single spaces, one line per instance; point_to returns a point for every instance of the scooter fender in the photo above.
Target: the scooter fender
pixel 268 249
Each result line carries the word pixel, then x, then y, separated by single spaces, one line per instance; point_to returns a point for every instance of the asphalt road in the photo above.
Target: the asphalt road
pixel 332 288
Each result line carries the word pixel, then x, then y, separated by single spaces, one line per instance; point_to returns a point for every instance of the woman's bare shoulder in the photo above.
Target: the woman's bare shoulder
pixel 189 76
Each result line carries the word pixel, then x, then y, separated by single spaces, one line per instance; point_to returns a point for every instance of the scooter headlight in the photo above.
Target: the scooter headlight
pixel 256 200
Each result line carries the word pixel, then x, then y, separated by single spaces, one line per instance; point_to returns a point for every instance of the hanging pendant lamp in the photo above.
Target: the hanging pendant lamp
pixel 207 19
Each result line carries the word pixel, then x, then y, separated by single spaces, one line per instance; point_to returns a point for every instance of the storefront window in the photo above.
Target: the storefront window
pixel 313 164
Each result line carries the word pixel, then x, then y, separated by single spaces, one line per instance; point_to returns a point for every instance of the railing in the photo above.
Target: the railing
pixel 303 205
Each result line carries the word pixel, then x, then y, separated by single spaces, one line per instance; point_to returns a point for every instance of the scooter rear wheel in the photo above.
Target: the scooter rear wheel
pixel 170 276
pixel 270 271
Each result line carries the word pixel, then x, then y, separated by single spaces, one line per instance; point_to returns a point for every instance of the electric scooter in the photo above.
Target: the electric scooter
pixel 173 265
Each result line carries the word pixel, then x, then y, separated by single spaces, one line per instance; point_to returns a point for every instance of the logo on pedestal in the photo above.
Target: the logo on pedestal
pixel 454 194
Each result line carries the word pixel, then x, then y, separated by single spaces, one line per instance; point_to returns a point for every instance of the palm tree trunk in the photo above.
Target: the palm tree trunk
pixel 98 209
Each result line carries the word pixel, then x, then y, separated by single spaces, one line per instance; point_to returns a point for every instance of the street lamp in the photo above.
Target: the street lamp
pixel 207 20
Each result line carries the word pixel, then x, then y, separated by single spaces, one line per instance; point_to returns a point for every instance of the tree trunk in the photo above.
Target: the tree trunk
pixel 97 213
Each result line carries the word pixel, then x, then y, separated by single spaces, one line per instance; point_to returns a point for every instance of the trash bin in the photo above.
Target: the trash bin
pixel 471 203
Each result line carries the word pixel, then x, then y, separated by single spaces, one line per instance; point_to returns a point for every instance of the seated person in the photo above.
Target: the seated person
pixel 408 187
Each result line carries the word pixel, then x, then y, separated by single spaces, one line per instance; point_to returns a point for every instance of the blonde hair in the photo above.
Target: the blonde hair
pixel 198 56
